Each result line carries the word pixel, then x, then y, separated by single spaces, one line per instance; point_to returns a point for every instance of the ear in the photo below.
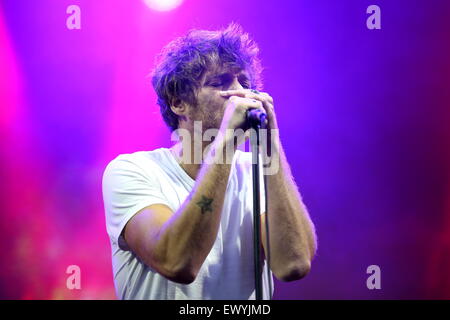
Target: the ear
pixel 179 107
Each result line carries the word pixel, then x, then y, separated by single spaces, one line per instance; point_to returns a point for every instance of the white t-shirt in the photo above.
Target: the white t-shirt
pixel 134 181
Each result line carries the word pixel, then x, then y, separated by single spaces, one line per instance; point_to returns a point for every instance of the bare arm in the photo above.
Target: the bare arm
pixel 291 232
pixel 176 243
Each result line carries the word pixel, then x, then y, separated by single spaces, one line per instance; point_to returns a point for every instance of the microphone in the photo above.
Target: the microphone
pixel 256 118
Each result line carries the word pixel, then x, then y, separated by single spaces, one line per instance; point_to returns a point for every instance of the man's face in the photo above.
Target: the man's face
pixel 210 104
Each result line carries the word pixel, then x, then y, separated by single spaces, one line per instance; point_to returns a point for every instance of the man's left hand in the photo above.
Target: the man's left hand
pixel 264 97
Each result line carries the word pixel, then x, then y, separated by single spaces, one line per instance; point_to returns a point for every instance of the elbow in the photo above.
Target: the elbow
pixel 294 271
pixel 183 274
pixel 183 277
pixel 173 269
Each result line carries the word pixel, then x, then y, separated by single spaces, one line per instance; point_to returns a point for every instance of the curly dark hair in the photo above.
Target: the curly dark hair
pixel 182 63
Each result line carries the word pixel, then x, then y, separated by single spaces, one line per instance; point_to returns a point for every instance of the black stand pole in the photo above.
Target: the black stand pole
pixel 256 211
pixel 257 123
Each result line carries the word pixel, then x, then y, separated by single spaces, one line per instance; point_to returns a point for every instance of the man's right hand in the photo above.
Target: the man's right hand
pixel 235 112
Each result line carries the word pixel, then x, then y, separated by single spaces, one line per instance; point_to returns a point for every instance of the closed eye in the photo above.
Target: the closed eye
pixel 226 79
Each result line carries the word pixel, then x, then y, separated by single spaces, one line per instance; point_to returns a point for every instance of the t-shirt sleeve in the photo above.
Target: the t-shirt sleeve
pixel 126 190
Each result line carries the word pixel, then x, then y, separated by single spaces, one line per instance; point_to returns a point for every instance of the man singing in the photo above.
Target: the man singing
pixel 183 229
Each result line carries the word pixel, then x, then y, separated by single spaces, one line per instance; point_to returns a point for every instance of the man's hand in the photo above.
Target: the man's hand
pixel 236 107
pixel 265 102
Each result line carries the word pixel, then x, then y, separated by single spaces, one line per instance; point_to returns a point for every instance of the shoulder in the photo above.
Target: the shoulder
pixel 139 158
pixel 140 163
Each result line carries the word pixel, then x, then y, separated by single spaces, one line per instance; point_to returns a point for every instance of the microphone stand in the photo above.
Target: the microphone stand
pixel 255 143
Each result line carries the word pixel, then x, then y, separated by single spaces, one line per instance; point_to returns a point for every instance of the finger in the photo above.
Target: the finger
pixel 266 104
pixel 265 98
pixel 261 96
pixel 232 93
pixel 241 92
pixel 256 104
pixel 248 103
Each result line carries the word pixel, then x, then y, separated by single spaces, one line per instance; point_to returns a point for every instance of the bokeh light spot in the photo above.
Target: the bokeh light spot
pixel 163 5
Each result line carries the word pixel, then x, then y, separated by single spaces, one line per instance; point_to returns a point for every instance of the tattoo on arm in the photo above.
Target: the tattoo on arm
pixel 205 204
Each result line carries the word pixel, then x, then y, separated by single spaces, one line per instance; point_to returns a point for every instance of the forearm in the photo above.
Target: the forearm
pixel 188 236
pixel 291 232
